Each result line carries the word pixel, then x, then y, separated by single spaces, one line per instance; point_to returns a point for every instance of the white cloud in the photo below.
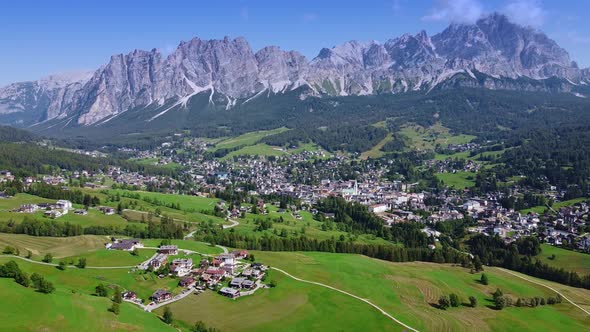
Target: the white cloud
pixel 458 11
pixel 310 17
pixel 526 12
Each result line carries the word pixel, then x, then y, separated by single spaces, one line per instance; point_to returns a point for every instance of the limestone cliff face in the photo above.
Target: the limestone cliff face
pixel 494 47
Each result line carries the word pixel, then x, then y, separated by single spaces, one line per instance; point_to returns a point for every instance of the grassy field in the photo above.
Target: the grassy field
pixel 85 280
pixel 154 162
pixel 292 306
pixel 567 259
pixel 556 205
pixel 104 257
pixel 247 139
pixel 93 218
pixel 458 180
pixel 259 149
pixel 408 290
pixel 187 202
pixel 57 246
pixel 27 310
pixel 421 138
pixel 307 225
pixel 405 290
pixel 375 152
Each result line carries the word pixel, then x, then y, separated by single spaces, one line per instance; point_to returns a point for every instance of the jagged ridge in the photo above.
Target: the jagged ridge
pixel 492 53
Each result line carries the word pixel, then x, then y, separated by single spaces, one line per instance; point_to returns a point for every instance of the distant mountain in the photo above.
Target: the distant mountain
pixel 493 53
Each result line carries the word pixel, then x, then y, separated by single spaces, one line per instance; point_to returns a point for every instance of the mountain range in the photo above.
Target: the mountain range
pixel 493 53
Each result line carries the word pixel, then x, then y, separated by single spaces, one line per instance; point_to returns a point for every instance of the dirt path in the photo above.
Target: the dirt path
pixel 541 284
pixel 349 294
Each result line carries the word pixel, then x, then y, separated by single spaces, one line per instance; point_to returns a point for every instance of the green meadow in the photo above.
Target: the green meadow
pixel 556 205
pixel 291 306
pixel 567 259
pixel 250 138
pixel 409 290
pixel 24 309
pixel 458 180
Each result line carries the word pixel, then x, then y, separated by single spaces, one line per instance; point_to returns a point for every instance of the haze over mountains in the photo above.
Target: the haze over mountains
pixel 493 53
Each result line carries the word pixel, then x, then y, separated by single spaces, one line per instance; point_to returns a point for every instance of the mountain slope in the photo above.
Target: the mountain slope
pixel 493 53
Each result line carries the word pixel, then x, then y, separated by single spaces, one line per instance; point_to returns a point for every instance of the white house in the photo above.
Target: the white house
pixel 378 208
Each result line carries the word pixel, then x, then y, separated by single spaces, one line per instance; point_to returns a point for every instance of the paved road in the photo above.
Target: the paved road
pixel 71 266
pixel 349 294
pixel 178 297
pixel 541 284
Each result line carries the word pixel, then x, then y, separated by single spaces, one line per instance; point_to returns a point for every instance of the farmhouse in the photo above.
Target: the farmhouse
pixel 229 292
pixel 161 295
pixel 168 250
pixel 107 210
pixel 126 244
pixel 129 296
pixel 186 281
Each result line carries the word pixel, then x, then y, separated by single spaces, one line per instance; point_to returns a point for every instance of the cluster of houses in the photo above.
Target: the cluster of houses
pixel 50 210
pixel 210 274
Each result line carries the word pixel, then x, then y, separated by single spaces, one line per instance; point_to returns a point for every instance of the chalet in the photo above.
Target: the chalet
pixel 126 244
pixel 248 284
pixel 240 254
pixel 168 250
pixel 64 204
pixel 129 296
pixel 158 261
pixel 181 266
pixel 161 295
pixel 28 208
pixel 229 292
pixel 227 259
pixel 215 272
pixel 186 281
pixel 237 282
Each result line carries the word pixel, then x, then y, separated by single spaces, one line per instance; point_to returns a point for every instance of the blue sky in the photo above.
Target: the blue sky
pixel 45 37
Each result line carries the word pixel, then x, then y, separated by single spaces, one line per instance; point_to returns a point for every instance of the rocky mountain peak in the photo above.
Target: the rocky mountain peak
pixel 229 72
